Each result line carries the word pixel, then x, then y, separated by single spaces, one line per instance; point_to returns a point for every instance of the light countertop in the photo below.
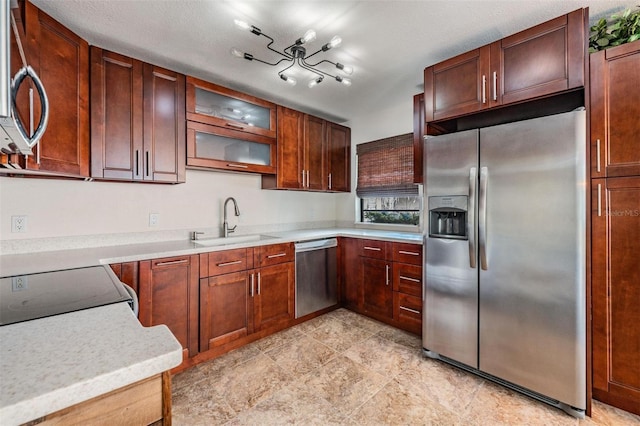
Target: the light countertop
pixel 53 363
pixel 18 264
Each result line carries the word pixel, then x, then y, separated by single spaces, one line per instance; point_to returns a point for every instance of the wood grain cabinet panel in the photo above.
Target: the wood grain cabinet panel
pixel 169 295
pixel 349 278
pixel 274 301
pixel 616 291
pixel 615 108
pixel 338 157
pixel 377 290
pixel 61 59
pixel 537 62
pixel 137 120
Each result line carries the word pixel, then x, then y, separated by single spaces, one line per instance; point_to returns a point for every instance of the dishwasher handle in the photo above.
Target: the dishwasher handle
pixel 316 245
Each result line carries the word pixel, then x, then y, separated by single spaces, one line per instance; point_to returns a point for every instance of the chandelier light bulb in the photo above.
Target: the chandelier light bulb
pixel 238 54
pixel 345 69
pixel 292 81
pixel 335 42
pixel 343 80
pixel 309 36
pixel 241 24
pixel 315 82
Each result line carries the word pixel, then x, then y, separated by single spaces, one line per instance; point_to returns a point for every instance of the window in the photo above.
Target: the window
pixel 385 182
pixel 396 210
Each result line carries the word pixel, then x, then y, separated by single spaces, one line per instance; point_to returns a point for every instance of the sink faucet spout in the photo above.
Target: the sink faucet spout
pixel 225 224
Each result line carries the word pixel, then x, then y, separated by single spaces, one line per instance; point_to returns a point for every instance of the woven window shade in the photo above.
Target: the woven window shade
pixel 385 167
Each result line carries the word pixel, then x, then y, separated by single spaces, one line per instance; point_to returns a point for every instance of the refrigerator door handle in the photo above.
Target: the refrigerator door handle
pixel 482 217
pixel 471 219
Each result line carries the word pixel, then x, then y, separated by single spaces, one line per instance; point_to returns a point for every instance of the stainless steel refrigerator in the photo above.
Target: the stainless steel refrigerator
pixel 505 255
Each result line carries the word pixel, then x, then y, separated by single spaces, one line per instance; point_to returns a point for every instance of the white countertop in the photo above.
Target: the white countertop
pixel 19 264
pixel 52 363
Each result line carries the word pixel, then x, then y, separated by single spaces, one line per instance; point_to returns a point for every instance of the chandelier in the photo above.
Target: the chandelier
pixel 297 54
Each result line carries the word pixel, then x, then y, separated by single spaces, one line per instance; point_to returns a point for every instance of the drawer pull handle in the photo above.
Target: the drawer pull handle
pixel 413 311
pixel 414 280
pixel 238 166
pixel 271 256
pixel 235 262
pixel 372 248
pixel 410 253
pixel 173 262
pixel 234 126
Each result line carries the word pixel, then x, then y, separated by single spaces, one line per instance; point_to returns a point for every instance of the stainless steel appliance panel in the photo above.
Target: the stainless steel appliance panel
pixel 532 255
pixel 451 278
pixel 316 276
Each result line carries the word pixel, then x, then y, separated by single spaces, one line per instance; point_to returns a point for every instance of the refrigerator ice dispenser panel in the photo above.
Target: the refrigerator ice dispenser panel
pixel 448 217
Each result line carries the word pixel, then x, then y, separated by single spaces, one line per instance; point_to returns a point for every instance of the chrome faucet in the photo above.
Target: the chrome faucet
pixel 225 225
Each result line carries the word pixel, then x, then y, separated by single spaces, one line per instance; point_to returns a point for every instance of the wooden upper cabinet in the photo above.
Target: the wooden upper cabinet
pixel 137 120
pixel 164 125
pixel 457 86
pixel 61 59
pixel 290 149
pixel 229 130
pixel 338 157
pixel 209 103
pixel 615 108
pixel 315 150
pixel 313 154
pixel 616 291
pixel 540 61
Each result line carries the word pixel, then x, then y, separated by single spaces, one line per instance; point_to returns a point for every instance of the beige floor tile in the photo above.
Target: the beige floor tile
pixel 606 415
pixel 339 335
pixel 301 356
pixel 292 405
pixel 397 404
pixel 380 355
pixel 248 383
pixel 441 383
pixel 217 367
pixel 497 405
pixel 200 405
pixel 278 339
pixel 345 384
pixel 401 337
pixel 187 378
pixel 315 323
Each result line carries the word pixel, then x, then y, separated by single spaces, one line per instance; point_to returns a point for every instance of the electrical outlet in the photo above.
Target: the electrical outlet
pixel 19 283
pixel 18 223
pixel 154 218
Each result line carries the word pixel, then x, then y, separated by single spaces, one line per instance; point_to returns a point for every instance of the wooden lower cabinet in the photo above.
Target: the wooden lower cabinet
pixel 376 287
pixel 274 300
pixel 225 307
pixel 615 270
pixel 244 291
pixel 349 275
pixel 168 294
pixel 142 403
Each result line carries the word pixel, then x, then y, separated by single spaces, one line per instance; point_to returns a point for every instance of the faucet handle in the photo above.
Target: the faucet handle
pixel 232 229
pixel 194 235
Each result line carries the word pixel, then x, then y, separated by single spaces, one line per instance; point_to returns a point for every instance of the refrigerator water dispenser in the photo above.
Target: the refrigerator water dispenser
pixel 448 217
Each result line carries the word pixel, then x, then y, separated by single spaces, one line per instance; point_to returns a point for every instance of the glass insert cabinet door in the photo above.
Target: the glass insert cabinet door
pixel 209 103
pixel 218 148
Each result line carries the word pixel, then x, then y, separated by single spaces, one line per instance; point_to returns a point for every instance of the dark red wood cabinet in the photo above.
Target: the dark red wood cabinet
pixel 615 111
pixel 61 60
pixel 137 120
pixel 537 62
pixel 615 270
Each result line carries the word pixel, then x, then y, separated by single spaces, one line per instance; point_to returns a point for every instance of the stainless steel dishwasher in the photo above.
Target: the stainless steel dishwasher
pixel 316 275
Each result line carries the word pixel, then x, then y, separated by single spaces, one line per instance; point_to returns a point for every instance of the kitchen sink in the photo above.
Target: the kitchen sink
pixel 233 240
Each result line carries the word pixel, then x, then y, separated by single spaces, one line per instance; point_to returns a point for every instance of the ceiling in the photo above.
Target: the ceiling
pixel 388 43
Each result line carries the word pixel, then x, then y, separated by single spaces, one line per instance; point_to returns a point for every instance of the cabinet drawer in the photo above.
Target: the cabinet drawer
pixel 223 262
pixel 407 310
pixel 407 253
pixel 373 248
pixel 407 279
pixel 273 254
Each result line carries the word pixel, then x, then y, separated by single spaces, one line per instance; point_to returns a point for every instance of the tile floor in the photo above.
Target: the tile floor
pixel 344 368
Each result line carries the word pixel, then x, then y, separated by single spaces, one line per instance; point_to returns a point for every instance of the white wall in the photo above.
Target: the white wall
pixel 57 208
